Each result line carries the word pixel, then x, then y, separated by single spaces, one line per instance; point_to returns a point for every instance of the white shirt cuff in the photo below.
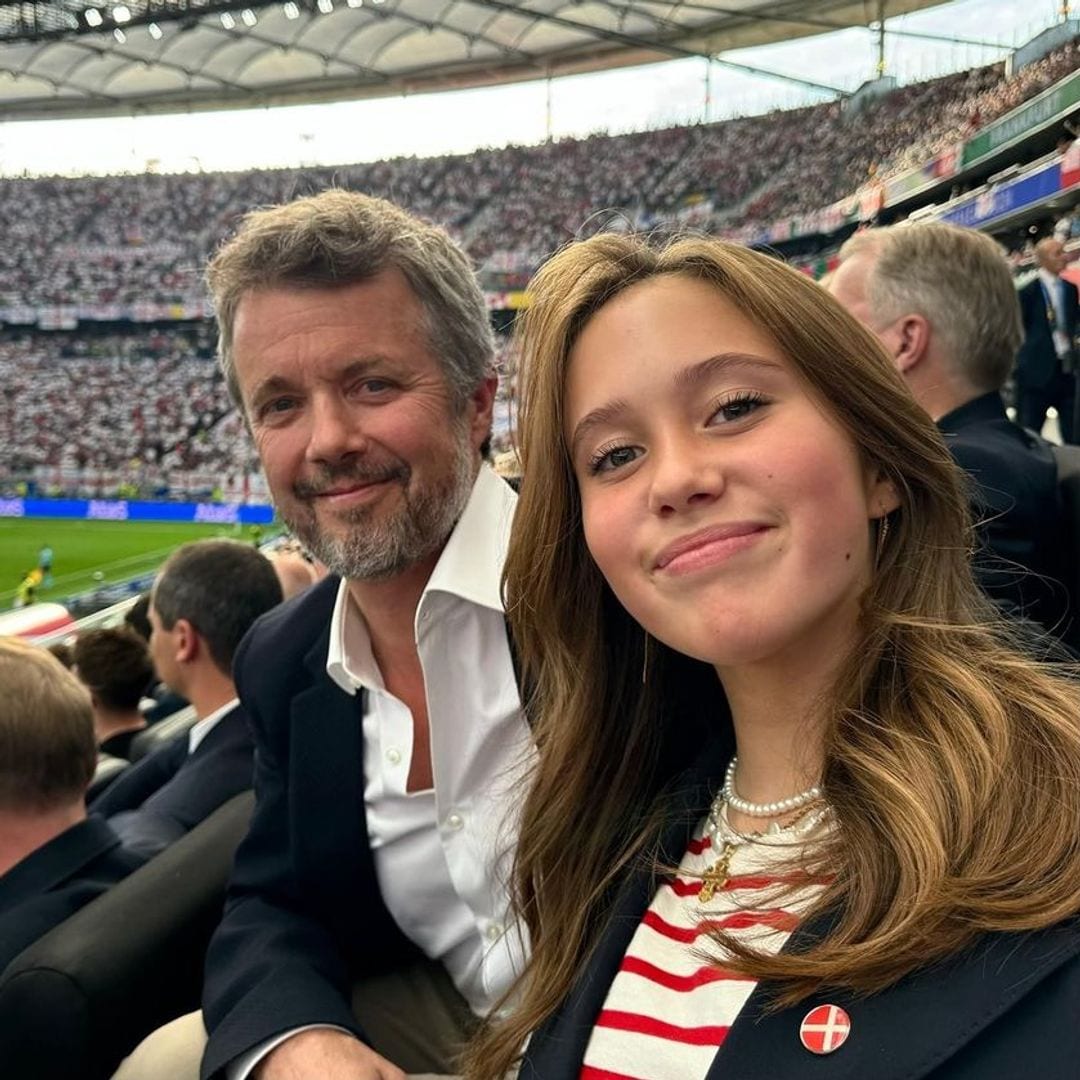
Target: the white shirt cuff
pixel 244 1065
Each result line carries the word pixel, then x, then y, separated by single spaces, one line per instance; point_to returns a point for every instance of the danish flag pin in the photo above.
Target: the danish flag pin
pixel 825 1029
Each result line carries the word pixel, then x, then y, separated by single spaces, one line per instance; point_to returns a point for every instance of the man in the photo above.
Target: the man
pixel 45 565
pixel 388 727
pixel 113 663
pixel 204 600
pixel 53 860
pixel 942 302
pixel 1046 363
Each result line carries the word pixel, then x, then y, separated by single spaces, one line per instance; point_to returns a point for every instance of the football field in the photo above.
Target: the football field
pixel 90 553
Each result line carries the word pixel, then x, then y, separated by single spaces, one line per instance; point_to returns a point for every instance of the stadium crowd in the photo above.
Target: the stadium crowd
pixel 92 243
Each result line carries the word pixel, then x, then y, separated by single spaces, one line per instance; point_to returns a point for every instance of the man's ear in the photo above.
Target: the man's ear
pixel 187 641
pixel 913 340
pixel 480 408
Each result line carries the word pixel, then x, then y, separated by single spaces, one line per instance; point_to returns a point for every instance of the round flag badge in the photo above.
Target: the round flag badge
pixel 825 1029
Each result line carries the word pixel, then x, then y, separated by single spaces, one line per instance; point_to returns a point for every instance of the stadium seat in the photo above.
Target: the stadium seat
pixel 108 769
pixel 164 731
pixel 76 1002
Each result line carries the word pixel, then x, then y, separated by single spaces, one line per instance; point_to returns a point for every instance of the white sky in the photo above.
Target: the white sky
pixel 618 101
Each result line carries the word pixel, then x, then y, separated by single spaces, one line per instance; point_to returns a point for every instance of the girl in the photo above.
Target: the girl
pixel 801 807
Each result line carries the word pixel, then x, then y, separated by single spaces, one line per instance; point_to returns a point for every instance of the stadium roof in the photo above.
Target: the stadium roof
pixel 128 56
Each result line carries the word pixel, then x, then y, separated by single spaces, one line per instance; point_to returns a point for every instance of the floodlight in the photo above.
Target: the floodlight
pixel 325 6
pixel 291 10
pixel 249 17
pixel 120 36
pixel 155 31
pixel 227 20
pixel 121 14
pixel 93 17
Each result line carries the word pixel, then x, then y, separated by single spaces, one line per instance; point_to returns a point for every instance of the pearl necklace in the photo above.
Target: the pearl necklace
pixel 772 809
pixel 716 876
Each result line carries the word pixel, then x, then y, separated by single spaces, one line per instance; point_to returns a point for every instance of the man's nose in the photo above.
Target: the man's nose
pixel 335 432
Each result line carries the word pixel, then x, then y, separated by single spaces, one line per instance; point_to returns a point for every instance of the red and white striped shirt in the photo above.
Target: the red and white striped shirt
pixel 672 1002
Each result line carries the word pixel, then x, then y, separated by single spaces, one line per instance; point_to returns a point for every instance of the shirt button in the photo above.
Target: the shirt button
pixel 393 756
pixel 493 932
pixel 455 821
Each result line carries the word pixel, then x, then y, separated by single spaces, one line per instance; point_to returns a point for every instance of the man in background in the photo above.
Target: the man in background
pixel 206 597
pixel 941 300
pixel 1046 363
pixel 113 663
pixel 53 859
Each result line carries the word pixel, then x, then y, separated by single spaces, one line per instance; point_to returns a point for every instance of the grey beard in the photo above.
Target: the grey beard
pixel 375 550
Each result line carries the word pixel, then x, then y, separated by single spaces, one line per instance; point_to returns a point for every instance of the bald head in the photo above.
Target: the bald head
pixel 1050 255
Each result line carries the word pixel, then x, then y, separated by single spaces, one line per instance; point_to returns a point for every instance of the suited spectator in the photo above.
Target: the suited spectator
pixel 53 859
pixel 1046 363
pixel 942 302
pixel 165 700
pixel 114 664
pixel 205 599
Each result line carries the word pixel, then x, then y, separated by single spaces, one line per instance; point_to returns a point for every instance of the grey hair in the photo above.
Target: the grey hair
pixel 959 281
pixel 339 238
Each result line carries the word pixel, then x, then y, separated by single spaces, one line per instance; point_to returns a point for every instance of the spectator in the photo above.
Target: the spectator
pixel 942 302
pixel 114 664
pixel 205 599
pixel 294 572
pixel 387 720
pixel 166 701
pixel 1046 364
pixel 53 859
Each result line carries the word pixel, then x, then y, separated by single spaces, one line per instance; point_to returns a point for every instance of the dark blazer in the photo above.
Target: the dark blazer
pixel 170 791
pixel 1005 1009
pixel 1019 517
pixel 50 884
pixel 304 916
pixel 1037 363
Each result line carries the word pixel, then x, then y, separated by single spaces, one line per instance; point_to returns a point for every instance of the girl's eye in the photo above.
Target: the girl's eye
pixel 738 407
pixel 615 457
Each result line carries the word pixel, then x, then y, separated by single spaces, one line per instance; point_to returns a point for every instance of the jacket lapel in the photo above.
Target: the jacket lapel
pixel 326 764
pixel 557 1048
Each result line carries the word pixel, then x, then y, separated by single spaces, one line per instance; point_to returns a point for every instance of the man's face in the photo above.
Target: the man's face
pixel 1051 256
pixel 848 287
pixel 368 459
pixel 163 651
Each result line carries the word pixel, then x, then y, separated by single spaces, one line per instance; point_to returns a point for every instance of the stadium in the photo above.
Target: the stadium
pixel 120 443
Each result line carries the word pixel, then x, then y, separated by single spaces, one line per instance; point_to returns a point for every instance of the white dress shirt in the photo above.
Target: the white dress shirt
pixel 442 856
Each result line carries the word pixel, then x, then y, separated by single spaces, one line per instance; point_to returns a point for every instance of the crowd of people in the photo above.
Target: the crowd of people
pixel 743 729
pixel 121 241
pixel 135 407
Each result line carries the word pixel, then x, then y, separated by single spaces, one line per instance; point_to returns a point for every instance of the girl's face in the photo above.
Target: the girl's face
pixel 728 512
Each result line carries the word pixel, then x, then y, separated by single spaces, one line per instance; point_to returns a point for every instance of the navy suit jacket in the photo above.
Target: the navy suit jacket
pixel 1004 1009
pixel 1019 517
pixel 55 881
pixel 1037 363
pixel 170 791
pixel 304 918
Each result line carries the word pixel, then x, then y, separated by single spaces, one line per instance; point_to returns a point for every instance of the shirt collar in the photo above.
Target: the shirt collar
pixel 1049 280
pixel 469 568
pixel 203 727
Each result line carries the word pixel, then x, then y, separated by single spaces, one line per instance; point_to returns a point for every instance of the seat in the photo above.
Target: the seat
pixel 78 1000
pixel 107 770
pixel 158 734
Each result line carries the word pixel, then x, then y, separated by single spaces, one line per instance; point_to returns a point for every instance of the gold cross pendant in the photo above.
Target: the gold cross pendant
pixel 717 875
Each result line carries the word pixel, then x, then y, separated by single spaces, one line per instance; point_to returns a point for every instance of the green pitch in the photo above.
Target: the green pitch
pixel 82 550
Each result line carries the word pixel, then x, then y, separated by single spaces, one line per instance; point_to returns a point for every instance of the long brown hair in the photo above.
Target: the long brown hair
pixel 952 759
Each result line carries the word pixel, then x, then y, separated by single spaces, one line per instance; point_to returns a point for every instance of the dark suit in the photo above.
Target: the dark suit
pixel 1024 556
pixel 1003 1010
pixel 55 881
pixel 170 791
pixel 304 917
pixel 1041 380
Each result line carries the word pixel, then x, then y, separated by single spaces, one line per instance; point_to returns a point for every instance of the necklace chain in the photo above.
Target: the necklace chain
pixel 717 875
